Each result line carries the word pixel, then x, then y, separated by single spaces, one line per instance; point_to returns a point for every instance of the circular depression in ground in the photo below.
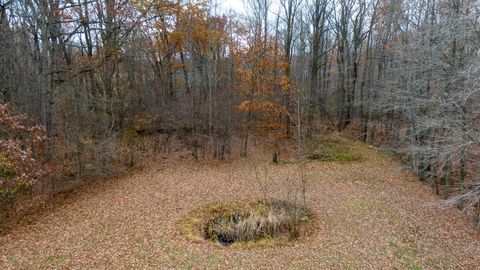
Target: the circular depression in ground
pixel 256 223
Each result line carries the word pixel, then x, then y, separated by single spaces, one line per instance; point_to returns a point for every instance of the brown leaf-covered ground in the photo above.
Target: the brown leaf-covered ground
pixel 372 214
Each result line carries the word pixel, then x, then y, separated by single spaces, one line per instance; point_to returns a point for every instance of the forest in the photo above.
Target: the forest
pixel 93 90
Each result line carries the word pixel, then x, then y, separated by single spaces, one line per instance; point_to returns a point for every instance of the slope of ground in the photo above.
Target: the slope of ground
pixel 372 215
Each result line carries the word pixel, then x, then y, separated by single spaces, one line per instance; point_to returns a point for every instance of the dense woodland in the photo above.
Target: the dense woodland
pixel 84 83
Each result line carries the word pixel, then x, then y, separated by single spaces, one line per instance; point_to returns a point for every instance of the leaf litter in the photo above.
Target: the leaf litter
pixel 371 215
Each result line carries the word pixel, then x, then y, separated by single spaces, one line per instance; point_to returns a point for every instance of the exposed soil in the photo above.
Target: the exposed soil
pixel 372 214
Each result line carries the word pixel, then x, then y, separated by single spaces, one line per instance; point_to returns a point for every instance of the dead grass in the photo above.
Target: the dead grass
pixel 248 224
pixel 382 219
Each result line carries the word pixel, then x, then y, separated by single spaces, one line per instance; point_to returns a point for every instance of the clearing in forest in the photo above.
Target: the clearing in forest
pixel 371 214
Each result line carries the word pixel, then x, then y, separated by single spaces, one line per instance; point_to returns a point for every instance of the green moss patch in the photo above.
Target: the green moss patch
pixel 332 150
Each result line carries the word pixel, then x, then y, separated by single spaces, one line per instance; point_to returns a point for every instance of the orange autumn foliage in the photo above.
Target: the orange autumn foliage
pixel 262 85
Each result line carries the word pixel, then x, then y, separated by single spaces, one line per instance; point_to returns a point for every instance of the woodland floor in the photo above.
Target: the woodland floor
pixel 372 214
